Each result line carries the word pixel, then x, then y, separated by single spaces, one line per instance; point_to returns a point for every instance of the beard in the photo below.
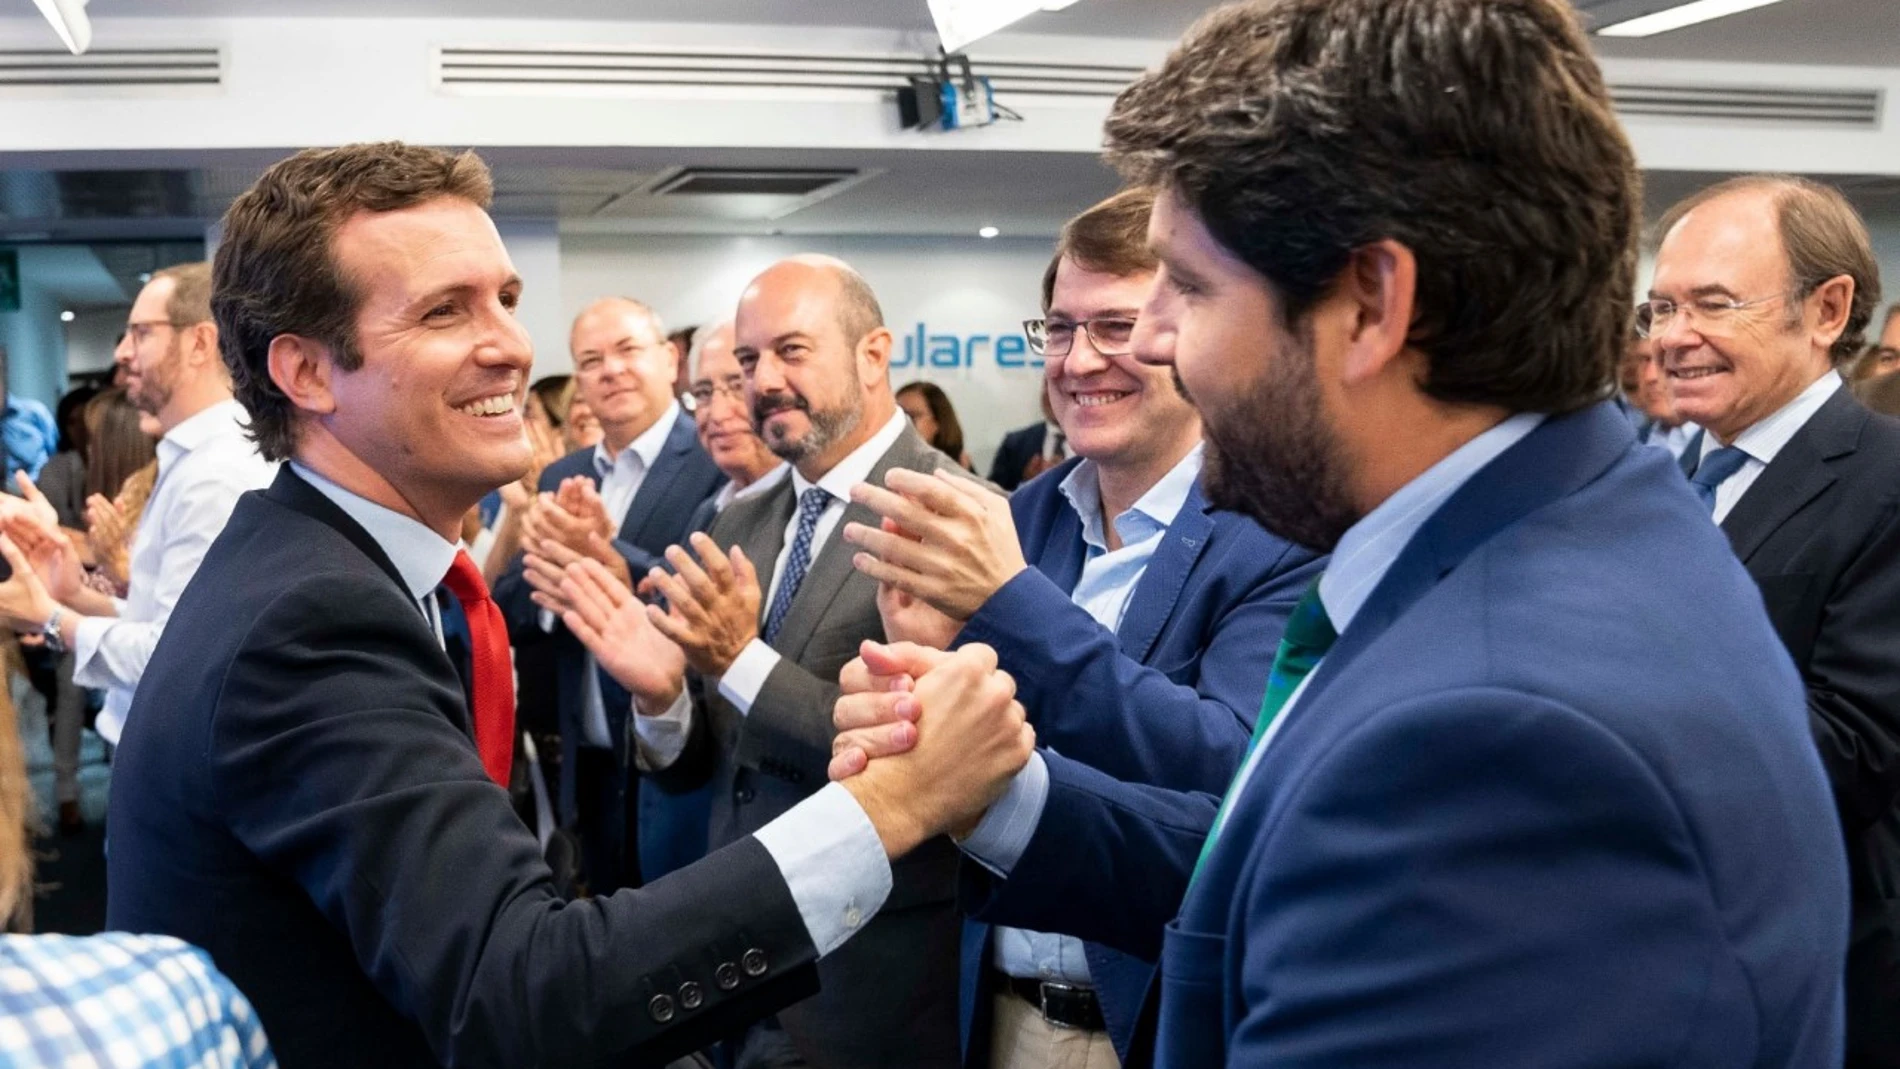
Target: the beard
pixel 828 425
pixel 1272 457
pixel 151 389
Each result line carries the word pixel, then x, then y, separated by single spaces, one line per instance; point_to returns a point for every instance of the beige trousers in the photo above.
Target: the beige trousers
pixel 1021 1039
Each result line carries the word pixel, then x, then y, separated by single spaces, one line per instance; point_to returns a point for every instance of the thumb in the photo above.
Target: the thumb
pixel 27 489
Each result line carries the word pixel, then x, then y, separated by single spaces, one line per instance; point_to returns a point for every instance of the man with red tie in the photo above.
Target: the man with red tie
pixel 309 790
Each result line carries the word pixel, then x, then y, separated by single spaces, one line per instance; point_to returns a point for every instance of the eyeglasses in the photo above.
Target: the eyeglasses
pixel 1110 335
pixel 1654 317
pixel 703 391
pixel 141 330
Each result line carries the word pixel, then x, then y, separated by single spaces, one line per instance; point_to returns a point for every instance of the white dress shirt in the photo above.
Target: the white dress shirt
pixel 1764 441
pixel 659 740
pixel 204 464
pixel 825 847
pixel 620 478
pixel 1364 554
pixel 1107 584
pixel 730 491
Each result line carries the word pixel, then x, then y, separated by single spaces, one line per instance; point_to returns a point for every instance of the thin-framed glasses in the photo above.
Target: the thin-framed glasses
pixel 703 391
pixel 1110 335
pixel 140 331
pixel 1654 317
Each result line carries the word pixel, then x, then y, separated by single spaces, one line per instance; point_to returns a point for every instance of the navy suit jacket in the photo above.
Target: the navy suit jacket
pixel 1550 801
pixel 1169 700
pixel 682 476
pixel 1018 448
pixel 297 793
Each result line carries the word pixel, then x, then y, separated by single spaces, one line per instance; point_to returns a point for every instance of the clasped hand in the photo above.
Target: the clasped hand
pixel 927 740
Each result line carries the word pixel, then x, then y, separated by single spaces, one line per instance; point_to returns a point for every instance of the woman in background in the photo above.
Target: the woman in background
pixel 931 413
pixel 121 469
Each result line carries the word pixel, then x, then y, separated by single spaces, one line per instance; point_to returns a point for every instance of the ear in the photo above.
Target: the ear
pixel 1832 302
pixel 301 368
pixel 203 347
pixel 874 356
pixel 1378 287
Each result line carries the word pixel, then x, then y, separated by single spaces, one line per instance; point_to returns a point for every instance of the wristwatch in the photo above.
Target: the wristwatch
pixel 51 631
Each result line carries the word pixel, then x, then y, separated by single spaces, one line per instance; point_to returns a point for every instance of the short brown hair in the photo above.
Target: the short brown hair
pixel 1110 238
pixel 1477 133
pixel 1821 233
pixel 190 301
pixel 276 272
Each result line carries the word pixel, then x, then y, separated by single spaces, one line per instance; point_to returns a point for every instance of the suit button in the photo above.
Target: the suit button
pixel 692 996
pixel 744 795
pixel 754 962
pixel 726 976
pixel 661 1007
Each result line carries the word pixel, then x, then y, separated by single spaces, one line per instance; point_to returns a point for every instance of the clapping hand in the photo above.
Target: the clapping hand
pixel 613 625
pixel 945 539
pixel 712 603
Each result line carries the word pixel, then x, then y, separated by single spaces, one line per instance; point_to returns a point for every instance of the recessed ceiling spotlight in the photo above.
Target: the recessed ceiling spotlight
pixel 987 232
pixel 68 316
pixel 145 276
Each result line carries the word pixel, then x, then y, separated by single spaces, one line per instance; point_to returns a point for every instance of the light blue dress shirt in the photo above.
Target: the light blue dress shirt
pixel 1106 586
pixel 1364 554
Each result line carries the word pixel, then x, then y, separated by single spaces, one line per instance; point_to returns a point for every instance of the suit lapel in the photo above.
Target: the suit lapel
pixel 658 481
pixel 762 540
pixel 289 490
pixel 831 567
pixel 1800 472
pixel 1547 465
pixel 1063 551
pixel 1152 604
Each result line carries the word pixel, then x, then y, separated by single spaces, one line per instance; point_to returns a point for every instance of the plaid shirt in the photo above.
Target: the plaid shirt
pixel 119 1000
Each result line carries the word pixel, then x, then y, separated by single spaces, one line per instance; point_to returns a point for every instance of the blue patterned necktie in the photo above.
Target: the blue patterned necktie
pixel 811 505
pixel 1714 468
pixel 1309 634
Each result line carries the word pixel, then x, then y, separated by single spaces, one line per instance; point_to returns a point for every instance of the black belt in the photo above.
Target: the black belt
pixel 1062 1005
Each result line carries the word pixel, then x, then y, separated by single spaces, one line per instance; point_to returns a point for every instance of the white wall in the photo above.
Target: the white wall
pixel 961 293
pixel 91 338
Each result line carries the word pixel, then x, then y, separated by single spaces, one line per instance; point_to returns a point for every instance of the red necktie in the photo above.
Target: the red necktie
pixel 494 682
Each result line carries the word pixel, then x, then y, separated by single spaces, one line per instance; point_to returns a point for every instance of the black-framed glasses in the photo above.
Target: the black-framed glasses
pixel 1654 317
pixel 1110 335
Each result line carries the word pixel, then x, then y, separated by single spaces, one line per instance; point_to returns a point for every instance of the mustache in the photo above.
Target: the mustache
pixel 768 405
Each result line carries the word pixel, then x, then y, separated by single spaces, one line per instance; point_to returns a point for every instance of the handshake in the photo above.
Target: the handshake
pixel 927 740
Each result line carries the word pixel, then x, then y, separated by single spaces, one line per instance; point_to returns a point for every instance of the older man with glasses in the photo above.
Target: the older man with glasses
pixel 173 372
pixel 1764 287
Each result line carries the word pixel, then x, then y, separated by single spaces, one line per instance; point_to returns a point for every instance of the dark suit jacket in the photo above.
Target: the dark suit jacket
pixel 1551 800
pixel 681 478
pixel 297 793
pixel 1170 699
pixel 889 996
pixel 1819 530
pixel 1019 447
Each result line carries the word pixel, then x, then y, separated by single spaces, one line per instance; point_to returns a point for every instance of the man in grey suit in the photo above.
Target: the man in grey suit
pixel 767 611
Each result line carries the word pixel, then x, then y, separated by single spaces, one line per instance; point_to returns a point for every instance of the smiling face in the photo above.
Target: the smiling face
pixel 435 407
pixel 624 368
pixel 1114 410
pixel 722 419
pixel 1729 373
pixel 1272 453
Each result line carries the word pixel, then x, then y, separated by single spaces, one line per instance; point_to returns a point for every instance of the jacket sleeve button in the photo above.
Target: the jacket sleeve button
pixel 726 976
pixel 692 996
pixel 661 1008
pixel 754 962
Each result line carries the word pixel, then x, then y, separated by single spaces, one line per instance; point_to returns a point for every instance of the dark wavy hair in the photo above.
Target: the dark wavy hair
pixel 1476 133
pixel 949 440
pixel 276 272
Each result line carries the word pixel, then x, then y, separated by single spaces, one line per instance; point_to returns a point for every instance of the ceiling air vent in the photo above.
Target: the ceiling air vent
pixel 734 181
pixel 1810 107
pixel 114 70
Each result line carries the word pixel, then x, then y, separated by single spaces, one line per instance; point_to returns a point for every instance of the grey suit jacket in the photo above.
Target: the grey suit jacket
pixel 888 997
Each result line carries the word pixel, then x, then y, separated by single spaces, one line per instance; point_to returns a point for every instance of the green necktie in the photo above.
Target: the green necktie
pixel 1309 634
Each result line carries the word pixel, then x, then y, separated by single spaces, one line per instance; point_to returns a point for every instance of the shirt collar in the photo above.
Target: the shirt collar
pixel 421 556
pixel 1765 439
pixel 733 492
pixel 1152 513
pixel 225 417
pixel 856 466
pixel 646 446
pixel 1368 548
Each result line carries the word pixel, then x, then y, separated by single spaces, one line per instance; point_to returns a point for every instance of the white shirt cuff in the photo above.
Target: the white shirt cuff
pixel 1004 833
pixel 86 636
pixel 547 620
pixel 746 678
pixel 833 862
pixel 659 740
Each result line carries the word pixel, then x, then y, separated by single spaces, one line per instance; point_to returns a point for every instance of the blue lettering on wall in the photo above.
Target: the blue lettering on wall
pixel 924 349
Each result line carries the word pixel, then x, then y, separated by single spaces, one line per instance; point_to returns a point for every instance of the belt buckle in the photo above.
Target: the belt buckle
pixel 1043 987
